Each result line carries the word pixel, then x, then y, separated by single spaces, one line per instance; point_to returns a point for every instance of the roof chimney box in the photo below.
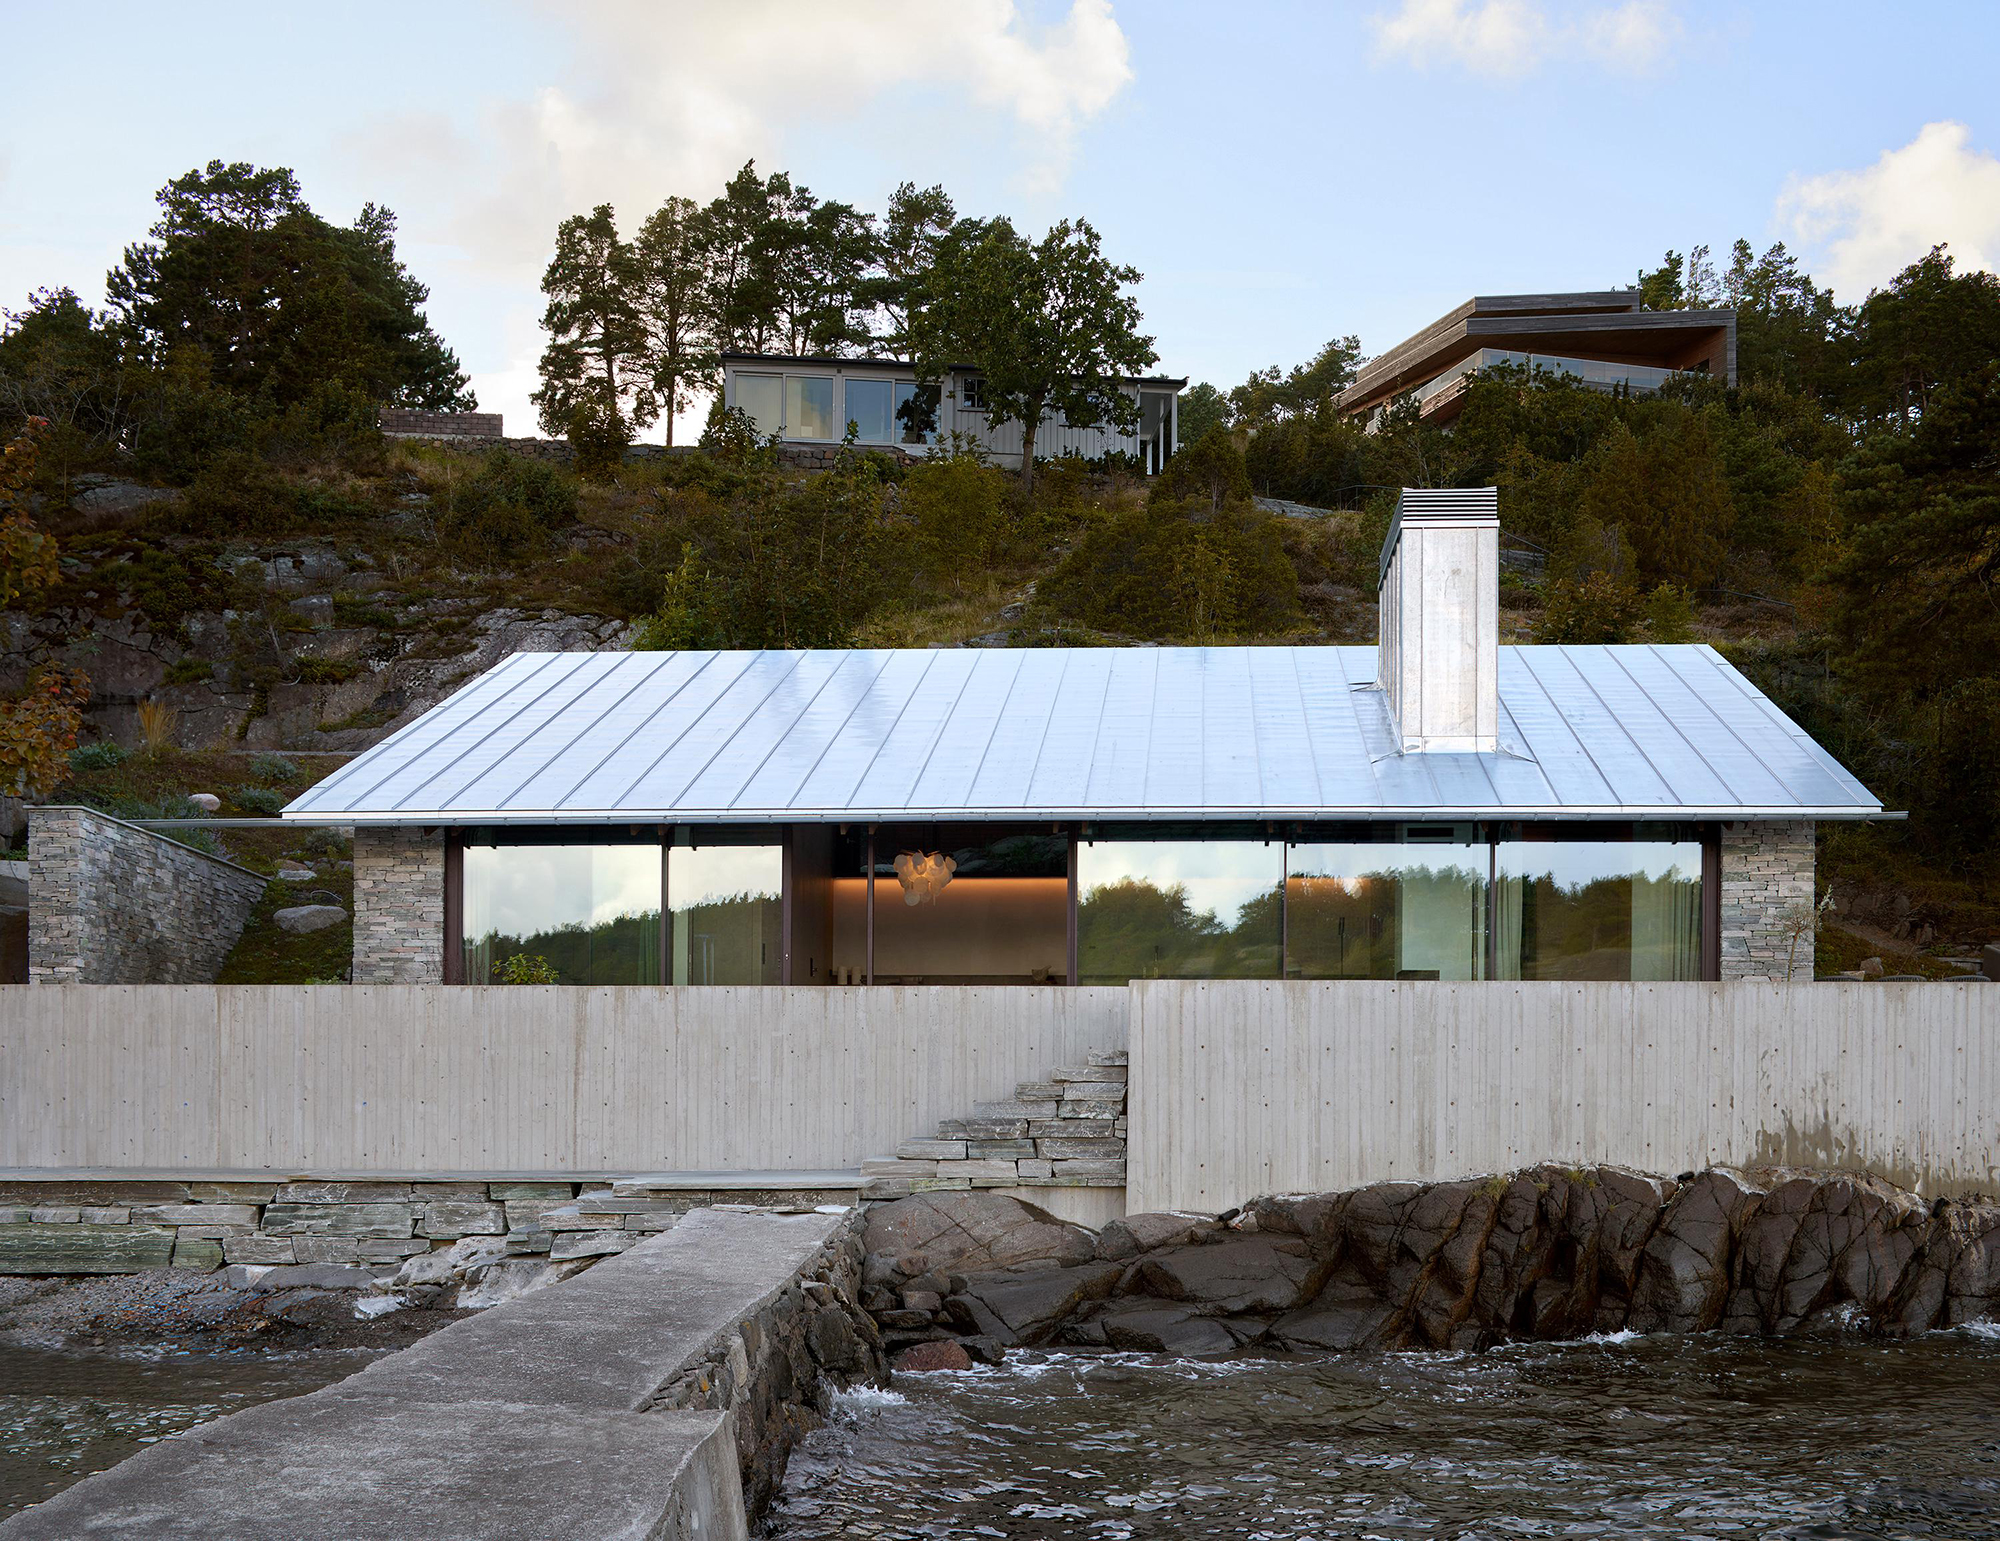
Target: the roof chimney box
pixel 1438 639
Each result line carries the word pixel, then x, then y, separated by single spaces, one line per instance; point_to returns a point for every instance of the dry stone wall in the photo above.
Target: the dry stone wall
pixel 110 903
pixel 398 907
pixel 63 1226
pixel 1767 877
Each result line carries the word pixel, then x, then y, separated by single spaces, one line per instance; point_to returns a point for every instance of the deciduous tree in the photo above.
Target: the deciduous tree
pixel 1050 325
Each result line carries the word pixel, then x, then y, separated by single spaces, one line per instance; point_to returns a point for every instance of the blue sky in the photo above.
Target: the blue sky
pixel 1280 173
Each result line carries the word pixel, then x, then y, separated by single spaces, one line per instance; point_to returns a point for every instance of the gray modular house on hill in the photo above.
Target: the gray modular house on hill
pixel 1439 808
pixel 812 401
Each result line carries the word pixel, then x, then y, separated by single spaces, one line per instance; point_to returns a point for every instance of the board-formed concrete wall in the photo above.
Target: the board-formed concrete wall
pixel 1243 1088
pixel 495 1078
pixel 111 903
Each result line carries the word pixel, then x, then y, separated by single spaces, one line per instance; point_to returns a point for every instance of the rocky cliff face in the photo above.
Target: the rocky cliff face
pixel 1548 1253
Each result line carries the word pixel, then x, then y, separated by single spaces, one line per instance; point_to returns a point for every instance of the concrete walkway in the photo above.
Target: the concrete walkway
pixel 522 1422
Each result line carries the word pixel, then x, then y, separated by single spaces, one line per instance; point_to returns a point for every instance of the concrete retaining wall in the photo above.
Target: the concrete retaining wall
pixel 493 1079
pixel 1246 1088
pixel 634 1400
pixel 110 903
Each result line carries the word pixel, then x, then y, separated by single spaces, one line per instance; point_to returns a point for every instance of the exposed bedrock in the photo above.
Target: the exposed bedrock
pixel 1548 1253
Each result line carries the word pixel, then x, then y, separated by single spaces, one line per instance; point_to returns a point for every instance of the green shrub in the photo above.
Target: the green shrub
pixel 1179 572
pixel 508 512
pixel 188 671
pixel 958 506
pixel 265 800
pixel 102 755
pixel 1595 608
pixel 268 768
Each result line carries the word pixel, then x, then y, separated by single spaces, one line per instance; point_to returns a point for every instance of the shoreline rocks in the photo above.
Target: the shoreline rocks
pixel 1544 1254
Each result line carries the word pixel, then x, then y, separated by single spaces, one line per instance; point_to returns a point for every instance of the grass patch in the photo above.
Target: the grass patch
pixel 266 954
pixel 1839 951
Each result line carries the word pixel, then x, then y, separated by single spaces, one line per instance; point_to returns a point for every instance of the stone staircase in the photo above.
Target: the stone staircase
pixel 1065 1132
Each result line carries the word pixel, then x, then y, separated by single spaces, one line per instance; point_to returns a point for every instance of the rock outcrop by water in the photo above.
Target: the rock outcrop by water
pixel 1545 1254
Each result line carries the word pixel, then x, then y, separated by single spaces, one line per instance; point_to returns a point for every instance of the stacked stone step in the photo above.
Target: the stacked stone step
pixel 1065 1132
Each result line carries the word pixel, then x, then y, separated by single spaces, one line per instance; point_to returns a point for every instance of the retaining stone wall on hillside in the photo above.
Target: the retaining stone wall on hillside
pixel 106 1226
pixel 796 457
pixel 110 903
pixel 1767 875
pixel 398 907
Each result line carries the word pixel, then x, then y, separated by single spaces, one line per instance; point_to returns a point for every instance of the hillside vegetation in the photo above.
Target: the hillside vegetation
pixel 216 544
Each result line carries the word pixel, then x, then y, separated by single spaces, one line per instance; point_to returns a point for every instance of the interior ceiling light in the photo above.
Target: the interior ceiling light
pixel 923 874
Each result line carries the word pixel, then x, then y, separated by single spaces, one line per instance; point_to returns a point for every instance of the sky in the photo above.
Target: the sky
pixel 1281 173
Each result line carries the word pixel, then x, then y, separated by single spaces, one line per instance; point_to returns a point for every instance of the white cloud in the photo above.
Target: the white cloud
pixel 1511 38
pixel 1861 228
pixel 653 100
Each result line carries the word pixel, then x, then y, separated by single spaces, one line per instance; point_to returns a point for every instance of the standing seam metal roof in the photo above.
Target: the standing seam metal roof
pixel 1078 733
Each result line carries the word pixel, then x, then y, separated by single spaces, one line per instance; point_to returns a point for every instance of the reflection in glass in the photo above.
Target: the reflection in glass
pixel 1002 919
pixel 1386 912
pixel 1598 909
pixel 809 407
pixel 763 398
pixel 728 919
pixel 584 914
pixel 916 412
pixel 1178 909
pixel 869 411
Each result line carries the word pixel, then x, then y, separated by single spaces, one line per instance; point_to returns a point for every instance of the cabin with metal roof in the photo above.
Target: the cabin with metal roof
pixel 1437 807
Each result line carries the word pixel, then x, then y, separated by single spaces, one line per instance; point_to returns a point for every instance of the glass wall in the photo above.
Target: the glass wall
pixel 809 407
pixel 1001 915
pixel 762 397
pixel 727 908
pixel 561 914
pixel 1179 909
pixel 916 412
pixel 1574 909
pixel 1406 911
pixel 870 410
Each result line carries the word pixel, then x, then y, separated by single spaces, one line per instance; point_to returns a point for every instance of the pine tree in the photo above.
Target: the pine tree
pixel 680 352
pixel 595 367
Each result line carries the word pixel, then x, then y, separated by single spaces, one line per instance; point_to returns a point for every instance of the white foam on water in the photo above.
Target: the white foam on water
pixel 864 1398
pixel 1987 1330
pixel 1622 1335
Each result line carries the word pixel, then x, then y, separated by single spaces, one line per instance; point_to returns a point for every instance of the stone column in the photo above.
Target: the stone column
pixel 1767 873
pixel 398 906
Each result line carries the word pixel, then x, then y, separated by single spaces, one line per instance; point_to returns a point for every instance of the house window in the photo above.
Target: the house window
pixel 870 409
pixel 1381 911
pixel 727 912
pixel 1589 909
pixel 972 395
pixel 1178 909
pixel 561 914
pixel 916 412
pixel 809 407
pixel 762 398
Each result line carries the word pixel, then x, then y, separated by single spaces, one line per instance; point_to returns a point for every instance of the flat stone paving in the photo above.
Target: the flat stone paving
pixel 522 1422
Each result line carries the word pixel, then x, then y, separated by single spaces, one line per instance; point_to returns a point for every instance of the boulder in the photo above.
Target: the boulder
pixel 1231 1275
pixel 1684 1272
pixel 1027 1304
pixel 967 1231
pixel 300 919
pixel 318 1276
pixel 1163 1327
pixel 1349 1312
pixel 1130 1235
pixel 292 872
pixel 921 1358
pixel 207 802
